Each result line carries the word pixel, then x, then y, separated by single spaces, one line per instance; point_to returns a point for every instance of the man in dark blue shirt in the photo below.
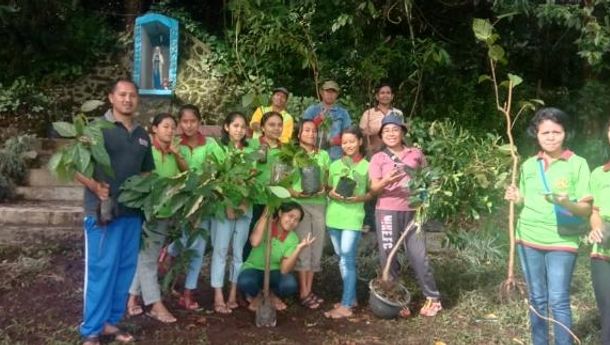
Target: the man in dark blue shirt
pixel 111 249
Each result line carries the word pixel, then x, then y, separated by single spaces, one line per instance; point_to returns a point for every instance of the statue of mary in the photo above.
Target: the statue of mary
pixel 157 68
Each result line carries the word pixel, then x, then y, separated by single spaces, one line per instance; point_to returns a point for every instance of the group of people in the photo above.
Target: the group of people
pixel 122 276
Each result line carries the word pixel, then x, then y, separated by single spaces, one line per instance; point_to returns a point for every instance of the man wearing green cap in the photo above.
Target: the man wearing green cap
pixel 279 97
pixel 327 109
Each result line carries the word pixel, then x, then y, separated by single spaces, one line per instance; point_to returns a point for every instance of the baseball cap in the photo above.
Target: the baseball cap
pixel 282 90
pixel 394 119
pixel 331 85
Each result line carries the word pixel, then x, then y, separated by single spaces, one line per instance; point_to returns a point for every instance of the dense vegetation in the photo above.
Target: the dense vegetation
pixel 426 49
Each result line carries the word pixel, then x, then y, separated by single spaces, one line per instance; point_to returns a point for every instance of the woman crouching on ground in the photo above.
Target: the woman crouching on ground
pixel 284 253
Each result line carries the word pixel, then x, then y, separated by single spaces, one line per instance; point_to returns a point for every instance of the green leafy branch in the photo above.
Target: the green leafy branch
pixel 86 150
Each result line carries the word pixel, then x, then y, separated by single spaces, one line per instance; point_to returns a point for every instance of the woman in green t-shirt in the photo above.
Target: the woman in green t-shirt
pixel 345 232
pixel 168 163
pixel 314 206
pixel 232 229
pixel 285 249
pixel 268 148
pixel 600 255
pixel 554 177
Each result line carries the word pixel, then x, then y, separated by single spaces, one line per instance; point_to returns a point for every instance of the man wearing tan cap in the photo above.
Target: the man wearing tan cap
pixel 327 109
pixel 279 97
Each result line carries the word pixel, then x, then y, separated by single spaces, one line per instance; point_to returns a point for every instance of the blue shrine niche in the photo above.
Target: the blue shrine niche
pixel 155 54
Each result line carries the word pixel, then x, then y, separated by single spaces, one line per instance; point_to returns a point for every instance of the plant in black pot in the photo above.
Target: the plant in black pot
pixel 311 174
pixel 387 296
pixel 348 181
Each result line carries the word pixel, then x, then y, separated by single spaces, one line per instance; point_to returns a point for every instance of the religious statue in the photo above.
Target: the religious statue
pixel 157 68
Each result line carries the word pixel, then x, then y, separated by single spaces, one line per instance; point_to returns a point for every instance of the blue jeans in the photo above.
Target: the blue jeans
pixel 345 243
pixel 250 282
pixel 548 275
pixel 197 247
pixel 225 232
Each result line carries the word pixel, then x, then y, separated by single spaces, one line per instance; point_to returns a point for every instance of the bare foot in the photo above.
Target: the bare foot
pixel 254 302
pixel 232 304
pixel 160 313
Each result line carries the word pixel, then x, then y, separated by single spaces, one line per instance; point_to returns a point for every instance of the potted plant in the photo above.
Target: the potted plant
pixel 347 182
pixel 387 297
pixel 84 153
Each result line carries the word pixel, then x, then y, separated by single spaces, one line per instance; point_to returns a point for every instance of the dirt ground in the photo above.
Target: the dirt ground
pixel 41 276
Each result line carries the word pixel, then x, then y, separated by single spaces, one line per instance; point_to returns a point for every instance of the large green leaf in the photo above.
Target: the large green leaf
pixel 84 158
pixel 279 191
pixel 65 129
pixel 515 79
pixel 496 52
pixel 91 105
pixel 79 125
pixel 100 156
pixel 482 29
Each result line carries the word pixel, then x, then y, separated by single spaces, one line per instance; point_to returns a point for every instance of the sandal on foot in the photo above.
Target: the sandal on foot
pixel 431 307
pixel 319 299
pixel 120 336
pixel 162 317
pixel 187 301
pixel 310 302
pixel 222 308
pixel 134 310
pixel 91 340
pixel 337 314
pixel 232 305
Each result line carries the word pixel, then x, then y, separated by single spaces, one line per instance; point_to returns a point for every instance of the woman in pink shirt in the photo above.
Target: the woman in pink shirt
pixel 388 172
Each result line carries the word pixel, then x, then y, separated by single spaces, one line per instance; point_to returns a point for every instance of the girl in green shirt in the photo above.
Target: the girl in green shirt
pixel 232 229
pixel 168 163
pixel 268 147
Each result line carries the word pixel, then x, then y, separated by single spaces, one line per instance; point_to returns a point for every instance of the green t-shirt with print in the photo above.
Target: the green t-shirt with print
pixel 537 225
pixel 279 251
pixel 323 161
pixel 342 215
pixel 195 157
pixel 165 166
pixel 600 188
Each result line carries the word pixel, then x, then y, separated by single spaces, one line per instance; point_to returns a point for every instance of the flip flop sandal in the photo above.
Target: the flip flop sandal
pixel 163 318
pixel 120 337
pixel 334 314
pixel 134 310
pixel 91 340
pixel 222 309
pixel 232 305
pixel 319 299
pixel 310 302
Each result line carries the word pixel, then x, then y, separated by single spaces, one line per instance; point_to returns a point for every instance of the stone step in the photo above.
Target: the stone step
pixel 57 193
pixel 42 213
pixel 41 177
pixel 28 234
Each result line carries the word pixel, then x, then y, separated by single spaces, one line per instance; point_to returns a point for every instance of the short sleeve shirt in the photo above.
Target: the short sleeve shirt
pixel 600 188
pixel 130 154
pixel 323 161
pixel 537 225
pixel 370 123
pixel 287 120
pixel 340 121
pixel 279 250
pixel 265 168
pixel 395 197
pixel 165 166
pixel 337 211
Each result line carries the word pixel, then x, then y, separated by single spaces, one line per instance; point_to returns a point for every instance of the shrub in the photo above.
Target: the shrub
pixel 474 169
pixel 7 189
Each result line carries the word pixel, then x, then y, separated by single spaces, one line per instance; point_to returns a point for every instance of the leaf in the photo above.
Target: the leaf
pixel 482 29
pixel 102 123
pixel 247 99
pixel 84 158
pixel 196 206
pixel 515 79
pixel 100 156
pixel 54 161
pixel 279 191
pixel 79 125
pixel 91 105
pixel 496 52
pixel 484 77
pixel 65 129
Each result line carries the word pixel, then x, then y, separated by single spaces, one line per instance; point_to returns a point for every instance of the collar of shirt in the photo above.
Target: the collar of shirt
pixel 275 232
pixel 355 159
pixel 109 116
pixel 564 156
pixel 263 141
pixel 606 167
pixel 157 145
pixel 184 140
